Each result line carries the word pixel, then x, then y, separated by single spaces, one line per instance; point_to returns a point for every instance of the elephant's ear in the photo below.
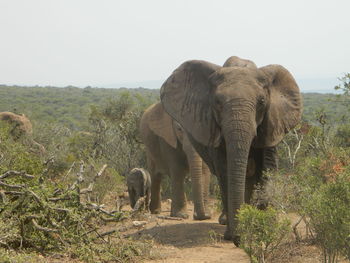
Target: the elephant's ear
pixel 284 107
pixel 162 125
pixel 186 97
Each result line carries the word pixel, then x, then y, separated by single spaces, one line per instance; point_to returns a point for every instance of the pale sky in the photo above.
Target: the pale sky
pixel 90 42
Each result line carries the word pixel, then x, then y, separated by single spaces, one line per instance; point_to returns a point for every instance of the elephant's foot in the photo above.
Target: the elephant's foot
pixel 179 214
pixel 205 216
pixel 235 238
pixel 222 219
pixel 155 211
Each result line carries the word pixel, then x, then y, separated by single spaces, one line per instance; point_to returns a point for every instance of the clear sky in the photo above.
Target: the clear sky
pixel 90 42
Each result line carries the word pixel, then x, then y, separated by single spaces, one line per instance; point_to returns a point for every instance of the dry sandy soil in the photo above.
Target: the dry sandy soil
pixel 202 241
pixel 188 240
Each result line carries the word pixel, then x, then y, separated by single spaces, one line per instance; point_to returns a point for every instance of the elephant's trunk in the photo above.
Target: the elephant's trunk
pixel 239 130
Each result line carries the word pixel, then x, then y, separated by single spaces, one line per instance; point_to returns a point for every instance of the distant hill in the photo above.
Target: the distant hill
pixel 317 85
pixel 70 106
pixel 148 84
pixel 314 85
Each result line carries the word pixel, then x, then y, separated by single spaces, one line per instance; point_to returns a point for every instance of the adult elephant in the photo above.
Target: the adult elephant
pixel 231 115
pixel 169 152
pixel 21 127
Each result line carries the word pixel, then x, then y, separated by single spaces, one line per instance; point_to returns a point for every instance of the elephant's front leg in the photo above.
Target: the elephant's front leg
pixel 199 186
pixel 268 162
pixel 206 184
pixel 179 203
pixel 155 204
pixel 223 191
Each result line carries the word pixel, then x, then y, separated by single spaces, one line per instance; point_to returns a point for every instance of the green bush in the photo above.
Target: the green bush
pixel 261 231
pixel 329 217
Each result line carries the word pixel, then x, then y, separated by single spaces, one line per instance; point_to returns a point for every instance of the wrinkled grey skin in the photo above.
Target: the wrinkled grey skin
pixel 252 178
pixel 138 181
pixel 169 152
pixel 234 117
pixel 235 61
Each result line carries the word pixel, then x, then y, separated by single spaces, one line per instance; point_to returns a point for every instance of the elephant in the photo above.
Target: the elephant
pixel 169 152
pixel 235 61
pixel 21 127
pixel 234 117
pixel 139 181
pixel 19 124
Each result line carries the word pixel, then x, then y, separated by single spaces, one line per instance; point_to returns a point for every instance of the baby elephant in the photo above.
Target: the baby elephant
pixel 139 185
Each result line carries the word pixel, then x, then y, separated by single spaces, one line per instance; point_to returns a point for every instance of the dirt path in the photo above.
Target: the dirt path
pixel 189 241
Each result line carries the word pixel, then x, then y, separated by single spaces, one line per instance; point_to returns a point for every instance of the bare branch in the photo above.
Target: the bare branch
pixel 55 199
pixel 297 236
pixel 91 185
pixel 289 152
pixel 80 177
pixel 107 233
pixel 44 229
pixel 69 171
pixel 60 209
pixel 3 196
pixel 13 186
pixel 13 193
pixel 12 173
pixel 36 197
pixel 139 204
pixel 170 218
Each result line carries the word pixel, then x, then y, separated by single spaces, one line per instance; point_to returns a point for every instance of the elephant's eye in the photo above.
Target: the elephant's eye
pixel 261 101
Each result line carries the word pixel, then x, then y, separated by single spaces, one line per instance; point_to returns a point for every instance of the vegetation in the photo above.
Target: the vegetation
pixel 261 231
pixel 53 203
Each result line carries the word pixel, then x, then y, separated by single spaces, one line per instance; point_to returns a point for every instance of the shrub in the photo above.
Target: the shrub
pixel 261 231
pixel 329 217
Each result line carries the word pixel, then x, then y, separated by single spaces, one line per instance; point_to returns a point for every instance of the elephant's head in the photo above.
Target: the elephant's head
pixel 235 61
pixel 239 107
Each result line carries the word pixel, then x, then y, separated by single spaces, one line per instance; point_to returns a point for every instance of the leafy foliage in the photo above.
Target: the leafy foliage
pixel 261 231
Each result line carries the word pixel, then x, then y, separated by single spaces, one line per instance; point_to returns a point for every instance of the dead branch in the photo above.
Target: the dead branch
pixel 139 204
pixel 69 171
pixel 80 177
pixel 13 186
pixel 170 218
pixel 4 244
pixel 107 233
pixel 3 197
pixel 44 229
pixel 12 173
pixel 36 197
pixel 60 209
pixel 13 193
pixel 91 185
pixel 295 231
pixel 56 199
